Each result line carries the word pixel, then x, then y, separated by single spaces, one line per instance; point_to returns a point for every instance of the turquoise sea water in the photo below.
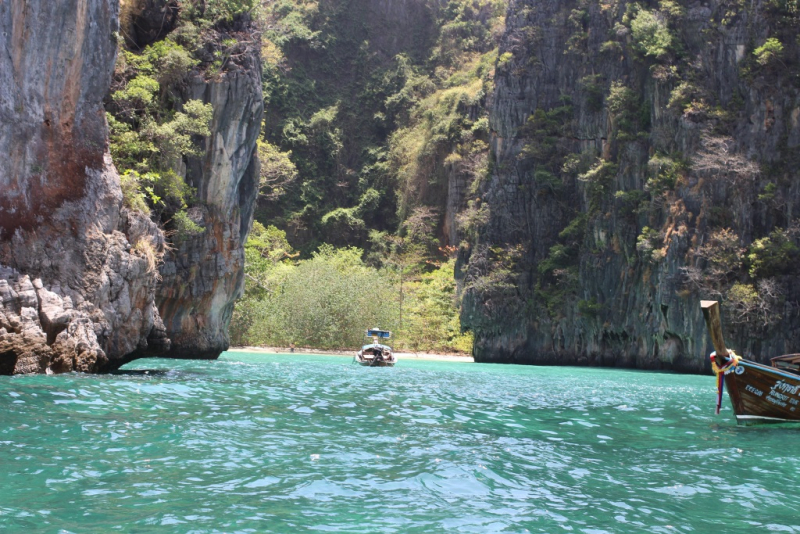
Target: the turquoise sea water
pixel 279 443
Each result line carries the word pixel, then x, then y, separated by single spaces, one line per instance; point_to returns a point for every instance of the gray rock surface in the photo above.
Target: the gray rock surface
pixel 607 302
pixel 204 274
pixel 76 282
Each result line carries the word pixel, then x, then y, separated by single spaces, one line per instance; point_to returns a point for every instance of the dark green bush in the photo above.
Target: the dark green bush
pixel 773 255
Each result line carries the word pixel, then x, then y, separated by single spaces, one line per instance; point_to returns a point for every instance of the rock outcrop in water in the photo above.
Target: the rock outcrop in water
pixel 204 275
pixel 77 271
pixel 644 157
pixel 212 61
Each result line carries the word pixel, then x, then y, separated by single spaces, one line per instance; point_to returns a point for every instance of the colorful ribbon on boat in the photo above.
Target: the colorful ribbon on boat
pixel 730 363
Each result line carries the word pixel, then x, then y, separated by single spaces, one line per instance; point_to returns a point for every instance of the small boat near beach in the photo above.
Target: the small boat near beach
pixel 759 393
pixel 376 354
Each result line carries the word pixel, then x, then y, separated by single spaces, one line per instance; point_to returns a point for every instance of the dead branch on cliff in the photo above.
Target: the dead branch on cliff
pixel 718 158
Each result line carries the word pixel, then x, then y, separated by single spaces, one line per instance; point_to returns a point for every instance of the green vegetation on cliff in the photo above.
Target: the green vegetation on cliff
pixel 154 125
pixel 646 158
pixel 629 157
pixel 372 109
pixel 377 103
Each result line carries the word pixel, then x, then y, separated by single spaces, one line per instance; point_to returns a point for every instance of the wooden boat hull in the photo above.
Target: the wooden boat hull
pixel 762 394
pixel 368 362
pixel 376 354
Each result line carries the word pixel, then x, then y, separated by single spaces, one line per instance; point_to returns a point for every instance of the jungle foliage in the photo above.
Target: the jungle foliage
pixel 327 300
pixel 362 126
pixel 154 126
pixel 374 117
pixel 372 120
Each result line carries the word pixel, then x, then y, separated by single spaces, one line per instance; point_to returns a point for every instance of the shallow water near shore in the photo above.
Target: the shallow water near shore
pixel 300 443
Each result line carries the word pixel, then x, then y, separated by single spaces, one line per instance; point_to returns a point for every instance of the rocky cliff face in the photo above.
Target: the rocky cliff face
pixel 644 157
pixel 204 275
pixel 77 272
pixel 190 54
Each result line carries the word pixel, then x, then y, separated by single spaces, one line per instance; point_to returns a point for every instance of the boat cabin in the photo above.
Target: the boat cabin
pixel 370 350
pixel 787 362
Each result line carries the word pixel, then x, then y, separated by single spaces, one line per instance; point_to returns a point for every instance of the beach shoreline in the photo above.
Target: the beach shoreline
pixel 448 357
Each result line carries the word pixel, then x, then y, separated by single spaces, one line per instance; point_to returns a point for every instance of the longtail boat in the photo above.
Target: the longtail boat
pixel 376 354
pixel 759 393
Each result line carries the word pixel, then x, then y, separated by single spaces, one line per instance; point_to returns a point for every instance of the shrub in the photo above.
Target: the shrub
pixel 740 299
pixel 611 47
pixel 277 170
pixel 773 255
pixel 430 317
pixel 601 172
pixel 576 164
pixel 723 251
pixel 541 132
pixel 756 305
pixel 174 138
pixel 722 257
pixel 592 86
pixel 165 191
pixel 504 58
pixel 344 220
pixel 651 34
pixel 325 302
pixel 648 245
pixel 559 256
pixel 598 181
pixel 184 226
pixel 682 95
pixel 215 11
pixel 620 98
pixel 132 196
pixel 630 116
pixel 173 62
pixel 138 93
pixel 671 9
pixel 158 146
pixel 575 231
pixel 473 218
pixel 664 173
pixel 368 202
pixel 146 248
pixel 631 202
pixel 768 195
pixel 769 53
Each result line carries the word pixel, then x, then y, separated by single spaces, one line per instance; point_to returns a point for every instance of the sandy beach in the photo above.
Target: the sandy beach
pixel 400 355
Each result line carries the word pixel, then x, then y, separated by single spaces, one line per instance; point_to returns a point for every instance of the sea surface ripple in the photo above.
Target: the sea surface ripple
pixel 300 443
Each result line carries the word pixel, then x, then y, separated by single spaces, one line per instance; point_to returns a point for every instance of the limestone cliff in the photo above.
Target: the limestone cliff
pixel 77 271
pixel 218 66
pixel 204 274
pixel 644 156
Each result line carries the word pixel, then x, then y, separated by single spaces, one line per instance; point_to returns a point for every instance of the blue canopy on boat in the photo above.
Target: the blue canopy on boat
pixel 377 332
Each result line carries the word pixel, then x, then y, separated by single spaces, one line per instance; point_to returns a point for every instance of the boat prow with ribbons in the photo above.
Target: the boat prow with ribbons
pixel 759 393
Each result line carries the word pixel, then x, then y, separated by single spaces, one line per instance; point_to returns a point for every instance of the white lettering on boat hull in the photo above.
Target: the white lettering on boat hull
pixel 754 391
